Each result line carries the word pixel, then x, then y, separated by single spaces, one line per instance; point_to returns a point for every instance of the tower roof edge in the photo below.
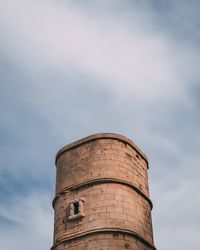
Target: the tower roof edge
pixel 102 136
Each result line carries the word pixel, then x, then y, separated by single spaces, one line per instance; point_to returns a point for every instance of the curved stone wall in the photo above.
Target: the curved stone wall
pixel 108 173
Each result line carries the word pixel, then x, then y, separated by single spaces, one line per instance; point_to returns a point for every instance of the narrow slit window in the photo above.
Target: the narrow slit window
pixel 76 207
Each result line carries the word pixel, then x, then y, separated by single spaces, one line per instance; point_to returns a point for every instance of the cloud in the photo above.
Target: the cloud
pixel 176 203
pixel 30 224
pixel 70 69
pixel 125 54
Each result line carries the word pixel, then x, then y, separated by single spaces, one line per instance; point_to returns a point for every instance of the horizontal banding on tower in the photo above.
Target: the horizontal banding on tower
pixel 114 231
pixel 97 182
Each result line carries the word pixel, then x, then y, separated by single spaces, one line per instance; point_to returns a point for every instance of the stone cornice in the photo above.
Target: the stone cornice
pixel 102 136
pixel 101 181
pixel 112 230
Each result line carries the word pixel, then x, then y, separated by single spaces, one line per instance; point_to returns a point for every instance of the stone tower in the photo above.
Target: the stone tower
pixel 102 196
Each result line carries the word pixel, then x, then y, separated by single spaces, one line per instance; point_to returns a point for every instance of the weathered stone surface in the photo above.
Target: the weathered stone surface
pixel 106 175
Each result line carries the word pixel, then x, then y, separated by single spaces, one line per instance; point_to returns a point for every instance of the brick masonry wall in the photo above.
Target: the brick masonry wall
pixel 110 174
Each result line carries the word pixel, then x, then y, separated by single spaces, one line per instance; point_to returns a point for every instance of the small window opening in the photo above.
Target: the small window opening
pixel 76 207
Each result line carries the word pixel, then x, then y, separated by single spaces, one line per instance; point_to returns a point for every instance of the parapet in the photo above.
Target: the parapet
pixel 102 136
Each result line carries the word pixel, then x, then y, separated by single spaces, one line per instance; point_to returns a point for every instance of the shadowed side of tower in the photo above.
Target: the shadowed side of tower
pixel 102 196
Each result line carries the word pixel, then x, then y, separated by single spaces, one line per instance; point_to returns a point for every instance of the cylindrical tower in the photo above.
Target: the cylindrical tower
pixel 102 196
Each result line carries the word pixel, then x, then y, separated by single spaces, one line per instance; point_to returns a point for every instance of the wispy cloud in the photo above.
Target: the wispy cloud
pixel 30 222
pixel 70 69
pixel 112 50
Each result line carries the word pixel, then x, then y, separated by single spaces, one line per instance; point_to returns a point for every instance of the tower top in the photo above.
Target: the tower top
pixel 99 136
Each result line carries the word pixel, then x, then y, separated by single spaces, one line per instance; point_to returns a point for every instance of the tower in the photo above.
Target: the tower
pixel 102 196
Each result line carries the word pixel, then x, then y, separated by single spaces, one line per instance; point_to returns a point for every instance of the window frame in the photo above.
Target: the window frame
pixel 72 214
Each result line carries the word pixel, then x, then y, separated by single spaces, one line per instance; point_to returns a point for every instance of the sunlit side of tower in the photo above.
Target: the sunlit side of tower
pixel 102 196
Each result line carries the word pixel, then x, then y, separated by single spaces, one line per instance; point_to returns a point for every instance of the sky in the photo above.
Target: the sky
pixel 71 68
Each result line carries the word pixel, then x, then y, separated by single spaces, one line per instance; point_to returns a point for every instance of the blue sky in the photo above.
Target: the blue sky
pixel 69 69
